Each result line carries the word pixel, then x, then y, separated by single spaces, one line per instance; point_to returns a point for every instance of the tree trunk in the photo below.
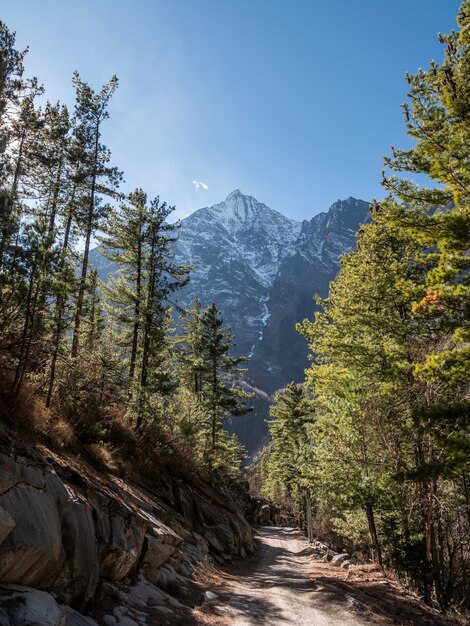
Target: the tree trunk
pixel 376 549
pixel 214 404
pixel 30 337
pixel 86 252
pixel 136 329
pixel 308 515
pixel 12 198
pixel 59 309
pixel 24 335
pixel 147 325
pixel 428 572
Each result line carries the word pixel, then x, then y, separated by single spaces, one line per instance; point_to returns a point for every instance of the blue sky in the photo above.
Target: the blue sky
pixel 292 101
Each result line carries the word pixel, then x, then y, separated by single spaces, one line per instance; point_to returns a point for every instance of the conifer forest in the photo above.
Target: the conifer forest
pixel 370 453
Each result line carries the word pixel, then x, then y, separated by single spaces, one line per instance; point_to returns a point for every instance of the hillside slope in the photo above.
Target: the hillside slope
pixel 83 542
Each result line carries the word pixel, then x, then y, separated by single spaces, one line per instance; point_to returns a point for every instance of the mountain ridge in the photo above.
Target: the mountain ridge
pixel 262 269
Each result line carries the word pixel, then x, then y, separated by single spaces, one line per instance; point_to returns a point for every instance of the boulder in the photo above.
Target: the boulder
pixel 77 580
pixel 144 594
pixel 155 555
pixel 243 533
pixel 227 533
pixel 193 554
pixel 120 535
pixel 124 547
pixel 263 517
pixel 200 544
pixel 10 473
pixel 213 540
pixel 329 555
pixel 338 559
pixel 23 608
pixel 169 578
pixel 32 552
pixel 50 543
pixel 27 607
pixel 65 540
pixel 73 618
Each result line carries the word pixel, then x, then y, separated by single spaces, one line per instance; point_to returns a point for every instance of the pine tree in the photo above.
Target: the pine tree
pixel 289 466
pixel 14 88
pixel 124 243
pixel 139 239
pixel 51 190
pixel 437 118
pixel 192 367
pixel 221 397
pixel 94 177
pixel 163 277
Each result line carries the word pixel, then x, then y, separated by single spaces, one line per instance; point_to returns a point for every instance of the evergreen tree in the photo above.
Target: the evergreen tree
pixel 289 464
pixel 139 240
pixel 221 397
pixel 390 374
pixel 94 177
pixel 192 366
pixel 51 189
pixel 124 243
pixel 163 277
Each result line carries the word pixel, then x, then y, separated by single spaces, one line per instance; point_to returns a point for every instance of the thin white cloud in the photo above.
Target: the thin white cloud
pixel 198 184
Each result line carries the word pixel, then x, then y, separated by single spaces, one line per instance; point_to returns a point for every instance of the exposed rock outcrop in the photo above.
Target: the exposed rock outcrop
pixel 25 607
pixel 69 536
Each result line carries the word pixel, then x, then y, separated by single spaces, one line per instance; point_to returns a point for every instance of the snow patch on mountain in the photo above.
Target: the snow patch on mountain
pixel 240 229
pixel 262 269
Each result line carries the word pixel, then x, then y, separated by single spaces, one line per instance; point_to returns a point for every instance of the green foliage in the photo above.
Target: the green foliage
pixel 93 350
pixel 289 463
pixel 209 374
pixel 390 372
pixel 138 240
pixel 221 397
pixel 190 353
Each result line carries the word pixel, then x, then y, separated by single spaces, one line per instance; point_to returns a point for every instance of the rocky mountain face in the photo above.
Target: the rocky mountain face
pixel 263 270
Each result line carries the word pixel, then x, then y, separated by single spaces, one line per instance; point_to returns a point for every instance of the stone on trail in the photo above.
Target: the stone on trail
pixel 340 558
pixel 353 603
pixel 210 595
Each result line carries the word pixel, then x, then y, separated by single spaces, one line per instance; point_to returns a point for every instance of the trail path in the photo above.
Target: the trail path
pixel 280 590
pixel 287 583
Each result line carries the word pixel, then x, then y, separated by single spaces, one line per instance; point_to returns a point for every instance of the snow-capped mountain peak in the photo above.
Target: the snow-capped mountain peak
pixel 263 270
pixel 241 229
pixel 240 212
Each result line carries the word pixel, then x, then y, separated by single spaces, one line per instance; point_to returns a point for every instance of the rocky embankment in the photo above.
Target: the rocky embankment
pixel 80 547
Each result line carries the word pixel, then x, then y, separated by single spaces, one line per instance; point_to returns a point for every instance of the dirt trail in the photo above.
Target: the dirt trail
pixel 280 591
pixel 286 583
